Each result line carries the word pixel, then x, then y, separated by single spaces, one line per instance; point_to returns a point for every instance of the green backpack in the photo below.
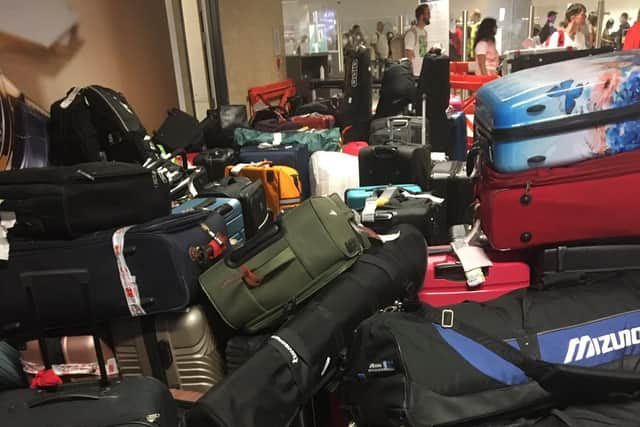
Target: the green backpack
pixel 257 285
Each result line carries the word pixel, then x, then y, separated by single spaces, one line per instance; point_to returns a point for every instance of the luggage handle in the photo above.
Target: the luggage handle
pixel 81 276
pixel 255 245
pixel 385 151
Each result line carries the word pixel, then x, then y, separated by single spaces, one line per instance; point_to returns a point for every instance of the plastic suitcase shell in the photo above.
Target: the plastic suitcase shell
pixel 589 201
pixel 457 149
pixel 194 362
pixel 294 155
pixel 561 113
pixel 356 197
pixel 332 172
pixel 229 209
pixel 157 254
pixel 445 282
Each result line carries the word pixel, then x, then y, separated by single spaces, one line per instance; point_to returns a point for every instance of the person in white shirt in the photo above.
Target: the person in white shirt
pixel 571 36
pixel 381 45
pixel 487 56
pixel 415 40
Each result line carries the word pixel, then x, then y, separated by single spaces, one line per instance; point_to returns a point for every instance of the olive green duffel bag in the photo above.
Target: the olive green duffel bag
pixel 257 285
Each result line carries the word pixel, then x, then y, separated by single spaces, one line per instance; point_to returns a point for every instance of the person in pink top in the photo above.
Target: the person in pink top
pixel 487 56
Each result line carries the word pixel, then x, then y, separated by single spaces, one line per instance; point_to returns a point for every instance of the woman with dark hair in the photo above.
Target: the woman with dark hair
pixel 487 57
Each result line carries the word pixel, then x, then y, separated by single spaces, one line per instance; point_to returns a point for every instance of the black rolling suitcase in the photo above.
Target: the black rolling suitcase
pixel 140 401
pixel 147 269
pixel 449 180
pixel 305 355
pixel 215 160
pixel 251 196
pixel 355 112
pixel 65 202
pixel 395 164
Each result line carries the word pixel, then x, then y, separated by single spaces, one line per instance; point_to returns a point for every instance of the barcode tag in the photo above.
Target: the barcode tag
pixel 127 280
pixel 473 260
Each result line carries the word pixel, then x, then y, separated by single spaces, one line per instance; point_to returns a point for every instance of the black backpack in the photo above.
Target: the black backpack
pixel 95 123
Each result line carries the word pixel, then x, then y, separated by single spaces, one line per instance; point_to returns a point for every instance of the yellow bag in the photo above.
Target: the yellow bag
pixel 282 186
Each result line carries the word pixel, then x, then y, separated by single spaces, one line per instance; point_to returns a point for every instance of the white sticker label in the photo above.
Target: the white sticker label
pixel 277 138
pixel 7 221
pixel 127 280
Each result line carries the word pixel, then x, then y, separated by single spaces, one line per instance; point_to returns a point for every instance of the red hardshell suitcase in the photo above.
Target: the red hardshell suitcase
pixel 592 200
pixel 315 120
pixel 445 283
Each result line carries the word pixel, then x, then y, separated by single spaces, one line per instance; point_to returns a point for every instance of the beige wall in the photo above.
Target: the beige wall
pixel 122 44
pixel 248 42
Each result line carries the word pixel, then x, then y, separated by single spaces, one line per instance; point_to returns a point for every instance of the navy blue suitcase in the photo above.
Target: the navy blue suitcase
pixel 32 137
pixel 229 209
pixel 295 156
pixel 458 136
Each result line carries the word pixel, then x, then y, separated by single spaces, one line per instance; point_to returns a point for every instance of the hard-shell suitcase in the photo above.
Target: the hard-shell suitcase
pixel 591 200
pixel 333 173
pixel 561 113
pixel 473 362
pixel 282 184
pixel 356 197
pixel 522 59
pixel 215 160
pixel 395 164
pixel 32 136
pixel 445 283
pixel 65 202
pixel 456 147
pixel 190 356
pixel 315 120
pixel 126 402
pixel 159 272
pixel 294 156
pixel 229 209
pixel 95 123
pixel 251 196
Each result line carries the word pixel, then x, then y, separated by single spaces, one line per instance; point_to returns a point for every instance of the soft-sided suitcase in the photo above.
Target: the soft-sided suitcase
pixel 355 112
pixel 395 164
pixel 127 402
pixel 229 209
pixel 251 196
pixel 476 361
pixel 561 113
pixel 591 200
pixel 294 156
pixel 159 272
pixel 32 136
pixel 241 348
pixel 219 125
pixel 314 139
pixel 307 353
pixel 180 130
pixel 95 123
pixel 356 197
pixel 258 285
pixel 190 356
pixel 315 120
pixel 63 202
pixel 353 148
pixel 282 184
pixel 215 161
pixel 333 173
pixel 445 283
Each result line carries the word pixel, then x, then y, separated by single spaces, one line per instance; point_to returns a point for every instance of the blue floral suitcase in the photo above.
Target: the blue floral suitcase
pixel 229 209
pixel 561 113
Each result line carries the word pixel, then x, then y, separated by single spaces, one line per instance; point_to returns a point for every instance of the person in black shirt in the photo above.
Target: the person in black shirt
pixel 549 27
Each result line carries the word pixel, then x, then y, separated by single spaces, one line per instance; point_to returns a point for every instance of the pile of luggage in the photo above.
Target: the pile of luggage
pixel 236 272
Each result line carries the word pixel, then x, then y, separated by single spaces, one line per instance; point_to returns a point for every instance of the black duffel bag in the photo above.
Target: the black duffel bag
pixel 303 356
pixel 510 357
pixel 69 201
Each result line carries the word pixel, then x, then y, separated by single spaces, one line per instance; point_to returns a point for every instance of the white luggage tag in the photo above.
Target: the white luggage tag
pixel 372 203
pixel 7 222
pixel 472 258
pixel 360 228
pixel 435 199
pixel 127 280
pixel 237 168
pixel 69 99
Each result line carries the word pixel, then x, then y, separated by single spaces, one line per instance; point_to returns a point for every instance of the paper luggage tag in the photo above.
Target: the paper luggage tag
pixel 473 260
pixel 7 222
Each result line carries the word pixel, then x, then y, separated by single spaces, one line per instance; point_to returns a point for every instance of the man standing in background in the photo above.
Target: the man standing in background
pixel 415 40
pixel 382 44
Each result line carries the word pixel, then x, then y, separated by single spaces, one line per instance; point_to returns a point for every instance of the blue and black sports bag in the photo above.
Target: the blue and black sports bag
pixel 476 362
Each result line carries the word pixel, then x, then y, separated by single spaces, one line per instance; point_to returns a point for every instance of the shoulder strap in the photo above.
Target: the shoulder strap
pixel 567 381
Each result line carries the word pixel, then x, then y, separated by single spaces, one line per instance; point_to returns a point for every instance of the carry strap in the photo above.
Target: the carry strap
pixel 255 277
pixel 561 380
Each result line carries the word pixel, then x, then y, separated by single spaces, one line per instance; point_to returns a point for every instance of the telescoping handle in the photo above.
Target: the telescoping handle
pixel 32 281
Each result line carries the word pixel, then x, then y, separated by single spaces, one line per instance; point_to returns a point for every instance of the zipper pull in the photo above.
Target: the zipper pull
pixel 525 200
pixel 86 174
